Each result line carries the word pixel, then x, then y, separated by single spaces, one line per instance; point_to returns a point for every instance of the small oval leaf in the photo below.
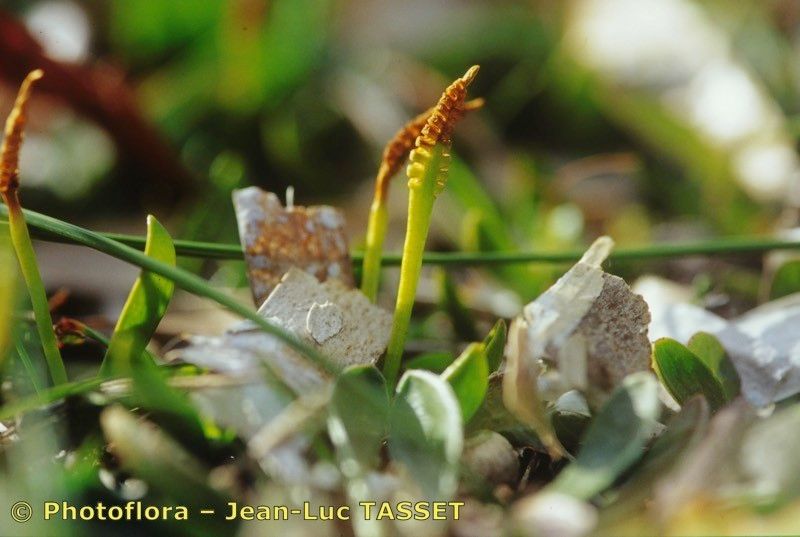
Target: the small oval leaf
pixel 786 280
pixel 615 440
pixel 426 434
pixel 436 362
pixel 469 377
pixel 684 374
pixel 713 355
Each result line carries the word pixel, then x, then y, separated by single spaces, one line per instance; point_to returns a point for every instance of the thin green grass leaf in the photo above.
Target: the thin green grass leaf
pixel 495 344
pixel 42 228
pixel 183 279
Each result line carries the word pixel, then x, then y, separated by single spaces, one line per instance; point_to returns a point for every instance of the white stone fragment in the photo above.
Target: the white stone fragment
pixel 340 322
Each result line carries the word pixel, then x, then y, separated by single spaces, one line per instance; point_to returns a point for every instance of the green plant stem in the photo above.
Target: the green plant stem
pixel 376 233
pixel 183 279
pixel 21 240
pixel 420 207
pixel 43 230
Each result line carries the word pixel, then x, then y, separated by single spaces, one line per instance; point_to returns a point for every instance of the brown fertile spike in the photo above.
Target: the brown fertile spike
pixel 447 112
pixel 437 130
pixel 396 151
pixel 15 125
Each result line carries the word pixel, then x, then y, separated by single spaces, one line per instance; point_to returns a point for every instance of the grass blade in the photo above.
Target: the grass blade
pixel 41 228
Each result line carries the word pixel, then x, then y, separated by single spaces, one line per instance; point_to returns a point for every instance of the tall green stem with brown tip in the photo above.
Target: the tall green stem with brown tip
pixel 20 238
pixel 421 196
pixel 33 280
pixel 376 233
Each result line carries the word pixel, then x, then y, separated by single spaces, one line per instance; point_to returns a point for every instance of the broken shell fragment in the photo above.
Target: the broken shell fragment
pixel 276 238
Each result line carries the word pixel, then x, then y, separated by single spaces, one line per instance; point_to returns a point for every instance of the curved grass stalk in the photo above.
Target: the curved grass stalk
pixel 42 230
pixel 20 238
pixel 427 175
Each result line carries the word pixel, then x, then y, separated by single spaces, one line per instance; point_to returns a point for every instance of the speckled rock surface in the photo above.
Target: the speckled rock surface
pixel 589 329
pixel 276 238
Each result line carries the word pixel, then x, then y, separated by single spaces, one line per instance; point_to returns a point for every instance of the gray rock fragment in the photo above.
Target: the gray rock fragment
pixel 589 329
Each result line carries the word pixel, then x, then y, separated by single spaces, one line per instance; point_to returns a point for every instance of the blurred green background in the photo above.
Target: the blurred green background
pixel 648 120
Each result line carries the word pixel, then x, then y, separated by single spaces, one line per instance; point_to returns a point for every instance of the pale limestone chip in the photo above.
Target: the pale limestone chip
pixel 364 331
pixel 589 329
pixel 340 322
pixel 275 239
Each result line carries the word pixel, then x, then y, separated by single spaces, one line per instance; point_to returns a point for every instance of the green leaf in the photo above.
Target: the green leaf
pixel 786 280
pixel 435 362
pixel 469 377
pixel 615 440
pixel 495 344
pixel 146 305
pixel 358 414
pixel 713 355
pixel 683 374
pixel 426 434
pixel 126 354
